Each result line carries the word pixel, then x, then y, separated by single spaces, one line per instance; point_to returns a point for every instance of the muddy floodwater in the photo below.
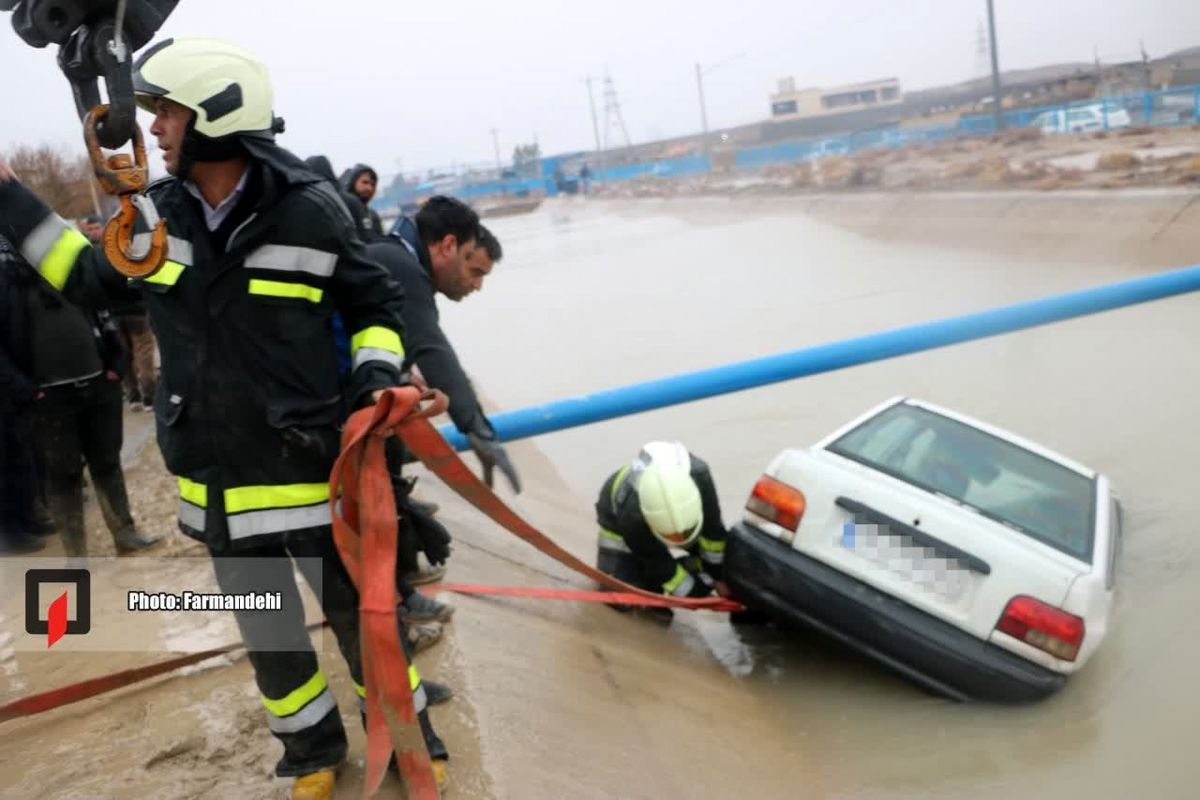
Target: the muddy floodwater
pixel 591 299
pixel 563 700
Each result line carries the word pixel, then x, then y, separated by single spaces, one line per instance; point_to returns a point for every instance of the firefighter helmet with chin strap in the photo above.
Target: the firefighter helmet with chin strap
pixel 667 495
pixel 227 88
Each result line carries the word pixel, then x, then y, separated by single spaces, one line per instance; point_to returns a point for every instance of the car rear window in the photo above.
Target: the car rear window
pixel 1018 488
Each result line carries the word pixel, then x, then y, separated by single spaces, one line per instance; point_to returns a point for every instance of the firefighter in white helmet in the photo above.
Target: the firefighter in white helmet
pixel 663 501
pixel 262 254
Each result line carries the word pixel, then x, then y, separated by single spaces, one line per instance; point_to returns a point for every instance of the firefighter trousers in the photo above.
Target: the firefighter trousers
pixel 300 707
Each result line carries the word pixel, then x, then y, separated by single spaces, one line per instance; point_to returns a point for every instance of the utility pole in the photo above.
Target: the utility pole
pixel 592 106
pixel 496 145
pixel 995 68
pixel 703 111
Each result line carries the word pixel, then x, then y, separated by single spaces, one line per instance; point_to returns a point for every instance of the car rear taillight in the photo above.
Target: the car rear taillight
pixel 1045 627
pixel 776 501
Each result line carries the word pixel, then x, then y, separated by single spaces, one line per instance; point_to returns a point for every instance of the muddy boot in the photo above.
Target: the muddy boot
pixel 423 637
pixel 436 693
pixel 114 506
pixel 426 575
pixel 418 608
pixel 314 786
pixel 438 753
pixel 43 523
pixel 18 543
pixel 130 541
pixel 426 507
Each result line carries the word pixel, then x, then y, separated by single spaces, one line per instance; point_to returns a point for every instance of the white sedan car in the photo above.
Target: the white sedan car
pixel 968 559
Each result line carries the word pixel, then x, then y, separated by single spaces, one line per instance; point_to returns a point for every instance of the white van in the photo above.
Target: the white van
pixel 1081 119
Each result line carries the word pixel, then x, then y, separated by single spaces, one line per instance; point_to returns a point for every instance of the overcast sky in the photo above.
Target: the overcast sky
pixel 418 84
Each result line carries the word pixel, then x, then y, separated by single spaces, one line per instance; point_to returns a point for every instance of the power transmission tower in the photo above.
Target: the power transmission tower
pixel 983 53
pixel 612 113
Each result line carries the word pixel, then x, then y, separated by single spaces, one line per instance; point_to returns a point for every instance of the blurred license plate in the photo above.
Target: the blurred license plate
pixel 901 556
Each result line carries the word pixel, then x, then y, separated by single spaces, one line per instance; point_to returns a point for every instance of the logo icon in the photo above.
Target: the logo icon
pixel 56 623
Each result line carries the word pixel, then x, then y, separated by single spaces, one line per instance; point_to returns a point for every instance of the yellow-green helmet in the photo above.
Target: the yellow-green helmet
pixel 667 495
pixel 226 86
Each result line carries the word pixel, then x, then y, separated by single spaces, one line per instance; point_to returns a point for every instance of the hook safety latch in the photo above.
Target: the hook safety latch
pixel 126 178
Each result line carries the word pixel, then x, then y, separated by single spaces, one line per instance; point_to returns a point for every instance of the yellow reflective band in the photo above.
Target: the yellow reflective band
pixel 677 579
pixel 711 546
pixel 58 262
pixel 255 498
pixel 194 493
pixel 414 677
pixel 360 690
pixel 611 535
pixel 299 291
pixel 378 338
pixel 296 699
pixel 621 473
pixel 167 275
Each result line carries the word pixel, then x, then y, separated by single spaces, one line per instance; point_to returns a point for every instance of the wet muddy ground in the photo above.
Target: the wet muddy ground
pixel 565 700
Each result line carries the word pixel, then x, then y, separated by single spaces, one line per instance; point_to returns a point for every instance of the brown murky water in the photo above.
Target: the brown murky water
pixel 563 700
pixel 592 298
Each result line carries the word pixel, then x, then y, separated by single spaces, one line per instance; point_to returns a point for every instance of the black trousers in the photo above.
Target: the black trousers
pixel 74 425
pixel 301 712
pixel 18 473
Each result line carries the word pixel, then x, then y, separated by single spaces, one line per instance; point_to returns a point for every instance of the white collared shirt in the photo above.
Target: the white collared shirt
pixel 213 217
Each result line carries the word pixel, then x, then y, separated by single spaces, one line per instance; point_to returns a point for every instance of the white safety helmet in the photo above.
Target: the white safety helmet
pixel 227 87
pixel 667 496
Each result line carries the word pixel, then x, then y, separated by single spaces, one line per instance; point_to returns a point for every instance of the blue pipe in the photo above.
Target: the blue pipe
pixel 704 383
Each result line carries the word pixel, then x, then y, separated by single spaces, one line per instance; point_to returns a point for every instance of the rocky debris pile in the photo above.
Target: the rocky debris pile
pixel 1024 158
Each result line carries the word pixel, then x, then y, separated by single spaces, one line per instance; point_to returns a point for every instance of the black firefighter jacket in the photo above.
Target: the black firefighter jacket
pixel 249 401
pixel 623 530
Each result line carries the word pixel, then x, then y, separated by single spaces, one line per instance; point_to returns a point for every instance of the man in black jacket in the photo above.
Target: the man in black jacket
pixel 362 181
pixel 249 402
pixel 18 390
pixel 436 252
pixel 357 208
pixel 78 360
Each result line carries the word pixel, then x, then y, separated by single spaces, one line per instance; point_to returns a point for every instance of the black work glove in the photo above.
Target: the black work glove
pixel 433 536
pixel 492 455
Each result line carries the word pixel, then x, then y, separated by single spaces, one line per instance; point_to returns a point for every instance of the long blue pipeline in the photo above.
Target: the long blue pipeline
pixel 689 386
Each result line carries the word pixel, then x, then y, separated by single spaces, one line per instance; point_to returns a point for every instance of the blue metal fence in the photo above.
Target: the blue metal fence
pixel 1169 108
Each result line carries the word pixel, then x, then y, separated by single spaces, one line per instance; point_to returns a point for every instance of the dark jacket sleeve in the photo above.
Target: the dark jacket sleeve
pixel 59 253
pixel 427 345
pixel 369 301
pixel 710 546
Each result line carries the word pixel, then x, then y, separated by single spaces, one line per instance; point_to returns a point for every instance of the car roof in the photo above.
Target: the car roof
pixel 999 433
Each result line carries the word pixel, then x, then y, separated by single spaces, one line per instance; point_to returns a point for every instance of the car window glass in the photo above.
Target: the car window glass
pixel 1006 482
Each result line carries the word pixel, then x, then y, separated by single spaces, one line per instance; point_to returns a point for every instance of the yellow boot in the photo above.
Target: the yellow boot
pixel 439 774
pixel 314 786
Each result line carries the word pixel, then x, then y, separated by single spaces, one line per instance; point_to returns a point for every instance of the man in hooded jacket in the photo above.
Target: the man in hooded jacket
pixel 362 181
